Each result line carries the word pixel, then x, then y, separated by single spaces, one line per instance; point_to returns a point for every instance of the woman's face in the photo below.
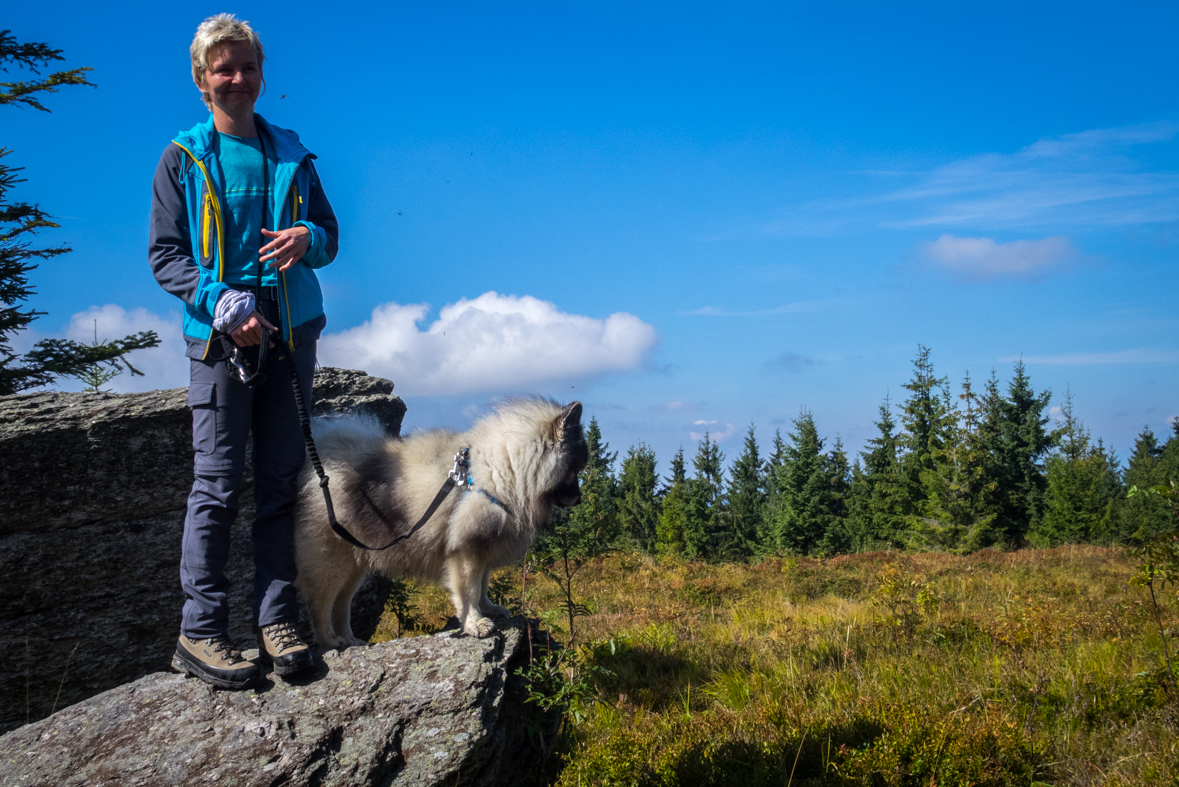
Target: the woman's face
pixel 233 79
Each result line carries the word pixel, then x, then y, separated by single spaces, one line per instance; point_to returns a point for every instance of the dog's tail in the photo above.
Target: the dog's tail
pixel 339 437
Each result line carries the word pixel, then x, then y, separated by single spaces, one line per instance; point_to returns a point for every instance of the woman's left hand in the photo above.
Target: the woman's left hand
pixel 286 247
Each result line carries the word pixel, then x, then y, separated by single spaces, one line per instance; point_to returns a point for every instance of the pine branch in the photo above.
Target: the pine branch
pixel 67 357
pixel 25 55
pixel 22 92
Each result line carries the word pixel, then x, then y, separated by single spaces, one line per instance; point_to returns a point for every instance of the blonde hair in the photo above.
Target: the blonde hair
pixel 217 30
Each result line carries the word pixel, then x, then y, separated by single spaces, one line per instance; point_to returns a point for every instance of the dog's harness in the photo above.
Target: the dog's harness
pixel 459 475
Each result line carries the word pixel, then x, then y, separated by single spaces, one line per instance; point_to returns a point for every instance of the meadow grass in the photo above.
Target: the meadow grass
pixel 1032 667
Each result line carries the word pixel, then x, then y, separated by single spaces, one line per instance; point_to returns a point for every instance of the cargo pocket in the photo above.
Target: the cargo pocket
pixel 202 400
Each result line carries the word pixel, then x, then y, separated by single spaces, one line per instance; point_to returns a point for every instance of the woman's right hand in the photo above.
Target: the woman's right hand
pixel 249 332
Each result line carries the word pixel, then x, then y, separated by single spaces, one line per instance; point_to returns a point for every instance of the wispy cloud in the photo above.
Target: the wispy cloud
pixel 1093 178
pixel 982 259
pixel 493 343
pixel 786 308
pixel 1139 355
pixel 1089 178
pixel 792 362
pixel 674 405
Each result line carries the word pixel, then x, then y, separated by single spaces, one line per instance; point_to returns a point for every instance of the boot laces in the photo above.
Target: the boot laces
pixel 223 645
pixel 283 635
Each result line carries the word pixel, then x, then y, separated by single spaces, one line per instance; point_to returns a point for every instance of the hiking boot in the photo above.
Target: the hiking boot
pixel 215 661
pixel 279 644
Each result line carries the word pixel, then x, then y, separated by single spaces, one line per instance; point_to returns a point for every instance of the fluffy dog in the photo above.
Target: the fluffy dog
pixel 525 458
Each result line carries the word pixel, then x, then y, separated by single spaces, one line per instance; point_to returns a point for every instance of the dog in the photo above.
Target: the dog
pixel 525 458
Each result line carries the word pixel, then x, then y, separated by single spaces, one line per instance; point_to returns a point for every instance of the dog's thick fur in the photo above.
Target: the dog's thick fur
pixel 527 454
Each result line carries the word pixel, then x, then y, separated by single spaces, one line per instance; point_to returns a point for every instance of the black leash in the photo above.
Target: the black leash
pixel 238 366
pixel 456 476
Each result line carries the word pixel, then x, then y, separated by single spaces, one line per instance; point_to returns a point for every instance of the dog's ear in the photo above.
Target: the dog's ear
pixel 570 419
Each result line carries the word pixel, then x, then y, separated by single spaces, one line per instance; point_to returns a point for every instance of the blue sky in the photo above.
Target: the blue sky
pixel 689 216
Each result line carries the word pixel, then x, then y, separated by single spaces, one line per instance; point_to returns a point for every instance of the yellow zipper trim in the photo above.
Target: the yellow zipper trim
pixel 220 233
pixel 208 218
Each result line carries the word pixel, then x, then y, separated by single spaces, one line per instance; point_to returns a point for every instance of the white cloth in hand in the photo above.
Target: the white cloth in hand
pixel 232 309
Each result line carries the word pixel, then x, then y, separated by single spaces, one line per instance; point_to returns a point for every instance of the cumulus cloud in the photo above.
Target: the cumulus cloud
pixel 493 343
pixel 714 435
pixel 163 367
pixel 982 259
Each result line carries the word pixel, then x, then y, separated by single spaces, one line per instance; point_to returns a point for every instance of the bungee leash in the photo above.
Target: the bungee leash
pixel 457 475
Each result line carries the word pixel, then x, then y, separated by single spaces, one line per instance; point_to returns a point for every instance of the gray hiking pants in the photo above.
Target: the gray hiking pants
pixel 224 411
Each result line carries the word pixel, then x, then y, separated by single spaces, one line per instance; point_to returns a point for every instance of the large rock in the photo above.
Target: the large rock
pixel 92 497
pixel 440 710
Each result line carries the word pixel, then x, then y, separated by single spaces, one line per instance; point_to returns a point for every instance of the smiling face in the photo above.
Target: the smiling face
pixel 233 79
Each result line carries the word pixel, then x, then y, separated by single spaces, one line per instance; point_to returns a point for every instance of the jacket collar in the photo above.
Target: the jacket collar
pixel 286 144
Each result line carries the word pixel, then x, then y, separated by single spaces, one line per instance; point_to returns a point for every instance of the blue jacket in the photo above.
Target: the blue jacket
pixel 186 235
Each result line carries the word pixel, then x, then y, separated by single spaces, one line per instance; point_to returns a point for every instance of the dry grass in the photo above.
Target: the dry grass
pixel 1034 667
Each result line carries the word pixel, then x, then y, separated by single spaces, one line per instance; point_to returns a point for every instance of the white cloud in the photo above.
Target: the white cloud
pixel 715 436
pixel 164 366
pixel 493 343
pixel 981 259
pixel 1140 355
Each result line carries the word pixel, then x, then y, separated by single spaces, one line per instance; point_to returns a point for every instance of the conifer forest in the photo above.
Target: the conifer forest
pixel 951 468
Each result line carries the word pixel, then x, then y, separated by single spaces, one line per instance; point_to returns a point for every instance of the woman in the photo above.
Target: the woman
pixel 239 222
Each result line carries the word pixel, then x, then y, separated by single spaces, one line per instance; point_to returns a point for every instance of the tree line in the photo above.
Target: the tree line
pixel 947 471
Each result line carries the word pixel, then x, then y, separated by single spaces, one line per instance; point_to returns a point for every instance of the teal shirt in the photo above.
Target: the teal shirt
pixel 241 165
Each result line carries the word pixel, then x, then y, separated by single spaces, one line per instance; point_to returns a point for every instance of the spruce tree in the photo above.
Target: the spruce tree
pixel 1023 445
pixel 802 515
pixel 670 529
pixel 705 534
pixel 50 358
pixel 639 507
pixel 765 543
pixel 1143 516
pixel 957 512
pixel 837 538
pixel 1082 486
pixel 926 422
pixel 880 494
pixel 747 496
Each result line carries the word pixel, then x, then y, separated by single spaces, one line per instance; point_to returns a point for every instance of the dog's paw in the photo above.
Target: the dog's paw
pixel 480 627
pixel 496 611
